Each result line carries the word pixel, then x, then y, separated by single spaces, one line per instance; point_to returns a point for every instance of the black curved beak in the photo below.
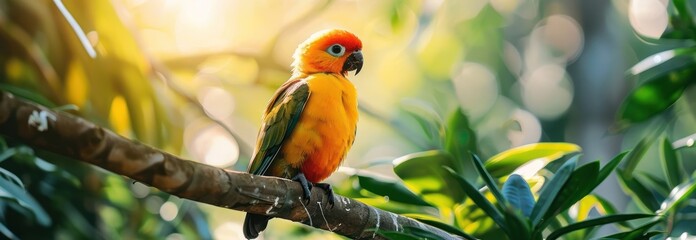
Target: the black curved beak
pixel 354 62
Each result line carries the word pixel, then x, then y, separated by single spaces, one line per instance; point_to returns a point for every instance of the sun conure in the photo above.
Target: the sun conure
pixel 309 124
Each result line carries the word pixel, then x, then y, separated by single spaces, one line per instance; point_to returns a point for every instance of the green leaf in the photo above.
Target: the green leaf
pixel 435 222
pixel 673 59
pixel 11 177
pixel 551 190
pixel 396 207
pixel 607 169
pixel 506 162
pixel 671 164
pixel 678 195
pixel 635 155
pixel 480 200
pixel 637 233
pixel 490 182
pixel 579 185
pixel 26 201
pixel 517 193
pixel 27 94
pixel 393 235
pixel 654 97
pixel 656 184
pixel 392 189
pixel 7 154
pixel 409 233
pixel 517 224
pixel 645 198
pixel 423 174
pixel 460 141
pixel 596 222
pixel 6 232
pixel 427 118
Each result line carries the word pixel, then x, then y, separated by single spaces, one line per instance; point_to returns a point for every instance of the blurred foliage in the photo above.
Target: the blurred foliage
pixel 43 60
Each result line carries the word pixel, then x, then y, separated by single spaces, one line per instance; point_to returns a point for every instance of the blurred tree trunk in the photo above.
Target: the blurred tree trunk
pixel 598 78
pixel 79 139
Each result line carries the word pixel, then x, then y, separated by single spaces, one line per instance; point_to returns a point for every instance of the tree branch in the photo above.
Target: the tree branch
pixel 79 139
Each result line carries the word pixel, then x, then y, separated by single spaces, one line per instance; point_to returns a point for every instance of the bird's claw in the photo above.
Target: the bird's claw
pixel 329 192
pixel 306 186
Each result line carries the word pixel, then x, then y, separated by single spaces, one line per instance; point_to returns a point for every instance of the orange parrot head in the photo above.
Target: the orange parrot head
pixel 328 51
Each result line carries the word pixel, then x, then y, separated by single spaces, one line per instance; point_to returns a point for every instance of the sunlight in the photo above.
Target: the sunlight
pixel 200 26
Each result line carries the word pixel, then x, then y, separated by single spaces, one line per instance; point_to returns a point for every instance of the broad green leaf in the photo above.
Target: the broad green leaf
pixel 460 141
pixel 506 162
pixel 671 164
pixel 581 182
pixel 517 193
pixel 639 192
pixel 392 189
pixel 490 182
pixel 678 195
pixel 423 174
pixel 596 222
pixel 436 222
pixel 551 190
pixel 26 201
pixel 480 201
pixel 653 97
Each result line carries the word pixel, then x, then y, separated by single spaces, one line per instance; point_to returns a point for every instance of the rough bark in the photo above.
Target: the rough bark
pixel 76 138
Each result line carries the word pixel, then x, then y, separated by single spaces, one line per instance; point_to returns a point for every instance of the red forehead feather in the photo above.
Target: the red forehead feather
pixel 326 38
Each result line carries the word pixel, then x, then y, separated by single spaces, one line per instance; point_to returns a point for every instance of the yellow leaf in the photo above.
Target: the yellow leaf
pixel 76 84
pixel 505 162
pixel 119 117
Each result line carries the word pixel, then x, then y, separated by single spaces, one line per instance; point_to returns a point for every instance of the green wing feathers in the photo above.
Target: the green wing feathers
pixel 279 120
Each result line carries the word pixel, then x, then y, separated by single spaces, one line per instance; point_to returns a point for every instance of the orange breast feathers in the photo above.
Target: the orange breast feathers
pixel 326 129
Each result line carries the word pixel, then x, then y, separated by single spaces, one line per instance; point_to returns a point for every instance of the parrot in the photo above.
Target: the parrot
pixel 310 122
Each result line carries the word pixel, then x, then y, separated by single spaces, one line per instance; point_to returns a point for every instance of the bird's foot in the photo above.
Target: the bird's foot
pixel 329 192
pixel 306 186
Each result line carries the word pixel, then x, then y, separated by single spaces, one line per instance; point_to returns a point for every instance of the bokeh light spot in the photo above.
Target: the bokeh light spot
pixel 529 128
pixel 547 91
pixel 217 102
pixel 648 17
pixel 476 89
pixel 168 211
pixel 211 144
pixel 562 34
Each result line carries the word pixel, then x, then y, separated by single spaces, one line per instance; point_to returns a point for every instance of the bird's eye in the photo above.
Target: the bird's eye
pixel 336 50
